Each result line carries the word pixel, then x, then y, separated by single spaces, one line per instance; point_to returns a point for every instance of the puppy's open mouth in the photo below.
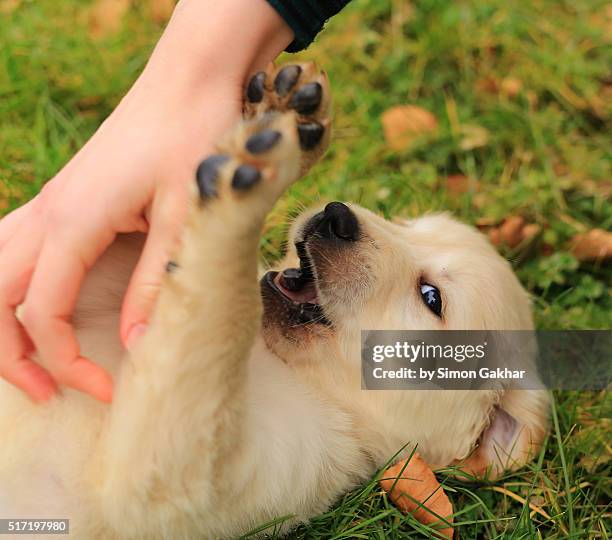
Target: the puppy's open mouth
pixel 297 287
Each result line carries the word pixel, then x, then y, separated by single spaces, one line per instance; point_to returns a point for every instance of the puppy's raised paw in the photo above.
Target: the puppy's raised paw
pixel 299 88
pixel 257 162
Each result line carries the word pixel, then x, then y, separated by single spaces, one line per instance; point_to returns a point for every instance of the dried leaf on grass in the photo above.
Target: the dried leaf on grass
pixel 403 124
pixel 595 244
pixel 8 6
pixel 511 86
pixel 161 10
pixel 487 85
pixel 508 86
pixel 602 19
pixel 416 490
pixel 511 232
pixel 106 16
pixel 458 184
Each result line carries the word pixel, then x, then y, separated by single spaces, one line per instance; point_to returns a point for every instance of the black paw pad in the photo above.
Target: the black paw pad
pixel 255 89
pixel 310 135
pixel 263 141
pixel 171 266
pixel 207 173
pixel 307 99
pixel 245 177
pixel 286 79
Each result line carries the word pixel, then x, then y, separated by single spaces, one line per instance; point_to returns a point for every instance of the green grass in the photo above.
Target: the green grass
pixel 546 156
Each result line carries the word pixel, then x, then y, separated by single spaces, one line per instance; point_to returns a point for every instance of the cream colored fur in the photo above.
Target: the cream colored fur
pixel 219 425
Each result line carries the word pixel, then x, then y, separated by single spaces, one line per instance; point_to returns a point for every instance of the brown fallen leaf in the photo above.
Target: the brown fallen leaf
pixel 106 16
pixel 511 86
pixel 458 184
pixel 511 232
pixel 8 6
pixel 418 492
pixel 403 124
pixel 602 19
pixel 161 10
pixel 485 223
pixel 488 85
pixel 593 245
pixel 495 237
pixel 530 230
pixel 508 86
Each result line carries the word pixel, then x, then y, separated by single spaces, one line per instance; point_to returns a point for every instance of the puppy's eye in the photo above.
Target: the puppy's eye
pixel 432 298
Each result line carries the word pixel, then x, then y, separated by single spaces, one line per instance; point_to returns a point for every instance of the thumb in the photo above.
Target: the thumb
pixel 167 216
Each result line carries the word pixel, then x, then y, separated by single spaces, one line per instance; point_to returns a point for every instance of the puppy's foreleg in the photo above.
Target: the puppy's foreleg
pixel 176 415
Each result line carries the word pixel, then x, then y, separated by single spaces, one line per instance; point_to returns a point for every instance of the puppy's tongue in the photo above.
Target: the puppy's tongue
pixel 293 286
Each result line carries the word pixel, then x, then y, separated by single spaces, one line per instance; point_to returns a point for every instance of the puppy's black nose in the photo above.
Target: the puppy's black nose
pixel 336 221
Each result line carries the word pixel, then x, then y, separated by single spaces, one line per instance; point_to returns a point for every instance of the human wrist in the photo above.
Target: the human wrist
pixel 190 92
pixel 218 42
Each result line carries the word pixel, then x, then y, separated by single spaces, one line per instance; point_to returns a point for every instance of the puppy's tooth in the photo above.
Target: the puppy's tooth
pixel 245 177
pixel 263 141
pixel 171 266
pixel 307 99
pixel 293 279
pixel 310 135
pixel 286 79
pixel 255 89
pixel 206 175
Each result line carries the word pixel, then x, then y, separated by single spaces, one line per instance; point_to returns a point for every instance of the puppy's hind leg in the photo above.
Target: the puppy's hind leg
pixel 176 415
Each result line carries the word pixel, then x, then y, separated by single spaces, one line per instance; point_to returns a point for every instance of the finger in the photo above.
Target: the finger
pixel 17 368
pixel 50 301
pixel 15 365
pixel 10 224
pixel 166 220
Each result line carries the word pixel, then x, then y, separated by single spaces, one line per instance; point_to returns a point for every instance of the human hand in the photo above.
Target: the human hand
pixel 131 176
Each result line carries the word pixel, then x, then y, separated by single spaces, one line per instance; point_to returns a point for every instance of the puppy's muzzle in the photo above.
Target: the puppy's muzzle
pixel 336 222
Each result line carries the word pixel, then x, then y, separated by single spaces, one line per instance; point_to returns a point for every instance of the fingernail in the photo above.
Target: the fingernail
pixel 105 394
pixel 43 395
pixel 134 335
pixel 43 388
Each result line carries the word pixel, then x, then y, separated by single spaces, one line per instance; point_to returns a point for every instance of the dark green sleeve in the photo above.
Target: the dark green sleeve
pixel 306 18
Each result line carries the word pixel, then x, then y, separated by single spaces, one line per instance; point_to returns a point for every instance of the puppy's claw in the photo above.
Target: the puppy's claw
pixel 207 174
pixel 286 79
pixel 255 89
pixel 293 279
pixel 245 177
pixel 310 135
pixel 263 141
pixel 307 99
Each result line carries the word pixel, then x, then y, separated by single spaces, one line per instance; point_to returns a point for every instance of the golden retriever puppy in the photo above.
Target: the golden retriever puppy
pixel 243 402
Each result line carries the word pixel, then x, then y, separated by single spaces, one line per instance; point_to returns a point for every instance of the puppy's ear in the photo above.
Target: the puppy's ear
pixel 514 436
